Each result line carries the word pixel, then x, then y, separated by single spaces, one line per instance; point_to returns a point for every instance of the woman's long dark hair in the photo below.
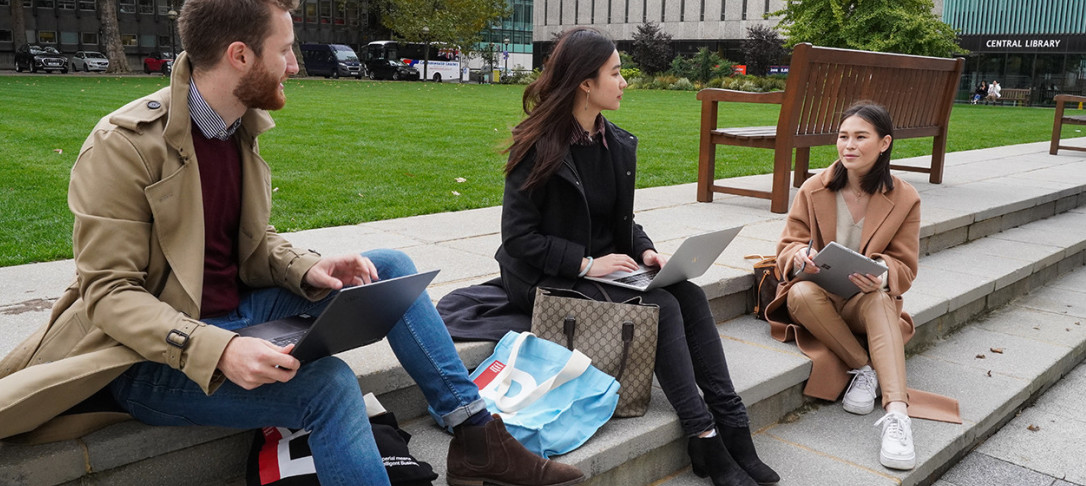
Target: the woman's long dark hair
pixel 878 178
pixel 548 102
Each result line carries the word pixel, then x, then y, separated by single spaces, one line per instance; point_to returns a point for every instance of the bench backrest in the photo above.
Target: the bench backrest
pixel 822 82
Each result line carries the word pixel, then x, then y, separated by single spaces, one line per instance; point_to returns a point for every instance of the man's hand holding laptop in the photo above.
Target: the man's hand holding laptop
pixel 250 362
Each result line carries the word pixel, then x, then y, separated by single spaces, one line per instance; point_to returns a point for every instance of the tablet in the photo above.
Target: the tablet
pixel 836 263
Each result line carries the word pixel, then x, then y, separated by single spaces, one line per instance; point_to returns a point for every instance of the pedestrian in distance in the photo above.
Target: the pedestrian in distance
pixel 567 213
pixel 993 92
pixel 980 92
pixel 174 254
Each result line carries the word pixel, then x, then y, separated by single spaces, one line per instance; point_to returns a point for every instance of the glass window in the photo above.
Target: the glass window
pixel 47 37
pixel 44 3
pixel 163 6
pixel 147 7
pixel 148 40
pixel 66 4
pixel 129 40
pixel 311 13
pixel 89 38
pixel 69 38
pixel 5 35
pixel 127 6
pixel 5 3
pixel 326 11
pixel 87 6
pixel 164 40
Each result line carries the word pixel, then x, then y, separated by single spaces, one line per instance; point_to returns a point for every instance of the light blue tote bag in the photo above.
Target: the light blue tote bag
pixel 550 398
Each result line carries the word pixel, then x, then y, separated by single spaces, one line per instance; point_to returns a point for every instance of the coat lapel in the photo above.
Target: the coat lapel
pixel 824 202
pixel 878 211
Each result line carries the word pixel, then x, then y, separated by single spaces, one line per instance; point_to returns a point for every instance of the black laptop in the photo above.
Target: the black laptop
pixel 355 317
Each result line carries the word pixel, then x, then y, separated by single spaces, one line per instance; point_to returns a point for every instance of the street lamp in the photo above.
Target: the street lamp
pixel 506 54
pixel 172 15
pixel 491 59
pixel 426 55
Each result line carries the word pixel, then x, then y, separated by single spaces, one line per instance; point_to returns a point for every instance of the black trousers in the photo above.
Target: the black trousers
pixel 689 354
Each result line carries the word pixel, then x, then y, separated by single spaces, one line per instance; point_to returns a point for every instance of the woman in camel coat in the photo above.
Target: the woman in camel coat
pixel 860 205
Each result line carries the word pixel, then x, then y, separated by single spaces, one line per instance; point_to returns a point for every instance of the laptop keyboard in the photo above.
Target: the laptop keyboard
pixel 640 279
pixel 286 339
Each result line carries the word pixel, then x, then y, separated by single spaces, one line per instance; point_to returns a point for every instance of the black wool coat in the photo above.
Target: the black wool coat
pixel 546 231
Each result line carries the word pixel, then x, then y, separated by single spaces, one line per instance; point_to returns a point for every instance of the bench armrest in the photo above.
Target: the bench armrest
pixel 717 95
pixel 1066 98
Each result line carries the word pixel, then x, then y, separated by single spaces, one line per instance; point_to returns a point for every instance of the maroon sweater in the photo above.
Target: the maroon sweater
pixel 220 178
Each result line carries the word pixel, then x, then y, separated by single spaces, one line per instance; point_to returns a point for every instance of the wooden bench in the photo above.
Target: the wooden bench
pixel 918 91
pixel 1015 96
pixel 1057 124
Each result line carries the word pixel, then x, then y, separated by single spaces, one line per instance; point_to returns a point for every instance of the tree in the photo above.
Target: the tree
pixel 762 48
pixel 902 26
pixel 456 22
pixel 652 48
pixel 18 24
pixel 701 67
pixel 111 36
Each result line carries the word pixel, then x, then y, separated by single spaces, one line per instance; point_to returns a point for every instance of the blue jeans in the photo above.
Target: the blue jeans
pixel 324 396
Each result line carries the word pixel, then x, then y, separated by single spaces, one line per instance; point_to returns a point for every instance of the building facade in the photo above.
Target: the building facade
pixel 73 25
pixel 1038 45
pixel 719 25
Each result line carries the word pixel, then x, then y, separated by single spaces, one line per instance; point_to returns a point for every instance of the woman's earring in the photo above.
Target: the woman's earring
pixel 586 95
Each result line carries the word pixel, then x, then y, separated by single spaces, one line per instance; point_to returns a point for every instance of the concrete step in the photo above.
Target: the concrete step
pixel 952 288
pixel 1040 338
pixel 816 442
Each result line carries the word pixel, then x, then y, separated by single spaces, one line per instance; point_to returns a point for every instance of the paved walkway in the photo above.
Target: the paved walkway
pixel 1042 446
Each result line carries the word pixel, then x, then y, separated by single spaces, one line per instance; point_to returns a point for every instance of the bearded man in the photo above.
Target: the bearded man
pixel 174 254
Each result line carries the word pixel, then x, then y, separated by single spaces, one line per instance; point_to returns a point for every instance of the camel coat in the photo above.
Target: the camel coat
pixel 138 241
pixel 891 232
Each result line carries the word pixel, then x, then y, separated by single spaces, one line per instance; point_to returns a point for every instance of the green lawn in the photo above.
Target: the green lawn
pixel 346 151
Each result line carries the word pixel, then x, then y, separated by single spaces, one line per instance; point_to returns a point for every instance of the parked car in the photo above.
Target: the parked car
pixel 33 58
pixel 87 61
pixel 331 60
pixel 158 62
pixel 391 69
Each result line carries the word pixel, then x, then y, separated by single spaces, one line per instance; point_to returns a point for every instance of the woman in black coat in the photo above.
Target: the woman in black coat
pixel 568 213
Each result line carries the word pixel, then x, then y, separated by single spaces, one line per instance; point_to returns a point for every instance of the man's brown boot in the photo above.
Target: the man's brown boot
pixel 488 453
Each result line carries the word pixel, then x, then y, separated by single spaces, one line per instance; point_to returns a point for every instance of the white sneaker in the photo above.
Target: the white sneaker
pixel 897 441
pixel 860 396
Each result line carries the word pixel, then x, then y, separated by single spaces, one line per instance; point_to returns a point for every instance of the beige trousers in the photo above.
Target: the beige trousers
pixel 837 322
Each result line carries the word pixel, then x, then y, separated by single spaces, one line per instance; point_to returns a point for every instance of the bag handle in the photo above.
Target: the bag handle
pixel 577 364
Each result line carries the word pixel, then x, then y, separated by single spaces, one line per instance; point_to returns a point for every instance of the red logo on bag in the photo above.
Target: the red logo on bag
pixel 489 374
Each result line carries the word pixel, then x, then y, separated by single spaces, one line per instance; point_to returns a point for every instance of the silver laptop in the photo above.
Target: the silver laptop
pixel 691 260
pixel 355 317
pixel 836 263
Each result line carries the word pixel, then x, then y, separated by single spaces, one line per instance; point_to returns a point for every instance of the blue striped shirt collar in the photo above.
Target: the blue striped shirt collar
pixel 210 123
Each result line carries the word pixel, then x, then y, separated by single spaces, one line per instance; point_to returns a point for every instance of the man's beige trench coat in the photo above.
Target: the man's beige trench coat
pixel 138 241
pixel 891 232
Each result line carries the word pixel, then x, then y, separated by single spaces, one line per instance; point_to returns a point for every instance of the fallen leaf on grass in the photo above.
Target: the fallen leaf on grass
pixel 980 356
pixel 59 151
pixel 1033 428
pixel 275 190
pixel 989 373
pixel 996 350
pixel 461 179
pixel 456 193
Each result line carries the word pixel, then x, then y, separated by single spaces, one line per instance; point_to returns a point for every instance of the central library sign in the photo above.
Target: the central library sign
pixel 1036 43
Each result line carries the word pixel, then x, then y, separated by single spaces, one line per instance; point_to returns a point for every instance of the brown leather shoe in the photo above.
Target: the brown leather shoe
pixel 487 453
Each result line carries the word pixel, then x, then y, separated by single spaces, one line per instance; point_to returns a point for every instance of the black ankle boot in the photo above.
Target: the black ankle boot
pixel 709 457
pixel 741 447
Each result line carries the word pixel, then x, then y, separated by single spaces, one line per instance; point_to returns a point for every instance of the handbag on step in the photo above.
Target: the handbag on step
pixel 620 337
pixel 551 399
pixel 766 279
